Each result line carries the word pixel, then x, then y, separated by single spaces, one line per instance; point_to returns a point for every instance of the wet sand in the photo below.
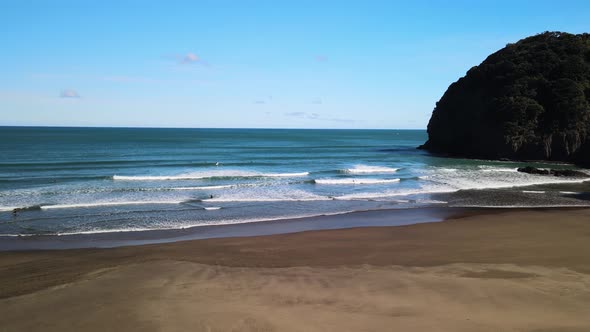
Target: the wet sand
pixel 514 270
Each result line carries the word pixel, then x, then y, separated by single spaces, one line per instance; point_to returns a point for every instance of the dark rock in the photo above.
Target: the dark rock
pixel 534 170
pixel 554 172
pixel 528 101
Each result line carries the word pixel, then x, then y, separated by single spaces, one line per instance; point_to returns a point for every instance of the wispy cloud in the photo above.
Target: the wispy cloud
pixel 149 80
pixel 320 58
pixel 317 101
pixel 69 93
pixel 186 59
pixel 303 115
pixel 131 79
pixel 316 116
pixel 341 120
pixel 263 100
pixel 296 114
pixel 190 58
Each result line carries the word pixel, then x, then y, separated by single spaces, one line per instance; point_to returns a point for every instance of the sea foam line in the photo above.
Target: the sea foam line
pixel 281 175
pixel 365 169
pixel 383 195
pixel 286 199
pixel 204 176
pixel 202 188
pixel 187 226
pixel 355 181
pixel 446 187
pixel 493 168
pixel 127 203
pixel 100 204
pixel 156 178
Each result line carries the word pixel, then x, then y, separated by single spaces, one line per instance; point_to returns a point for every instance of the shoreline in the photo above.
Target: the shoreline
pixel 354 219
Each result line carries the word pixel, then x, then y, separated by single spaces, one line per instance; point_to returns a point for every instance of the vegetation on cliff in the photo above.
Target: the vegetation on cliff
pixel 529 100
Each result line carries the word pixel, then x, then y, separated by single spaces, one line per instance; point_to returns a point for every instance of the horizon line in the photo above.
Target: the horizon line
pixel 150 127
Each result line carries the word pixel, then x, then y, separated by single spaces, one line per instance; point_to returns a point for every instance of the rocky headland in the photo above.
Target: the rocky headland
pixel 528 101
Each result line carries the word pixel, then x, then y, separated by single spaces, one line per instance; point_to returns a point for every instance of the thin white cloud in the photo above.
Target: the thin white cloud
pixel 69 93
pixel 316 116
pixel 296 114
pixel 263 100
pixel 190 58
pixel 321 58
pixel 340 120
pixel 130 79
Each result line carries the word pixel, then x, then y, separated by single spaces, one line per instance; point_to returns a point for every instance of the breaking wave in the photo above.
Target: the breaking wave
pixel 355 181
pixel 209 175
pixel 365 169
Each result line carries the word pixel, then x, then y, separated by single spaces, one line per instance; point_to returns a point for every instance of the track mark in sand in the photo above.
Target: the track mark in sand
pixel 498 274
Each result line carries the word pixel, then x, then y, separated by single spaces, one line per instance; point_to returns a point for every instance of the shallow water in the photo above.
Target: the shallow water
pixel 92 180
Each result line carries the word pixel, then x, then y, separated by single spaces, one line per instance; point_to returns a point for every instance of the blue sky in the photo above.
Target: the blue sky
pixel 260 64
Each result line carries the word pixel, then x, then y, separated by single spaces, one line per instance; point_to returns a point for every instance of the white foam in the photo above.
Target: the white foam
pixel 396 193
pixel 533 192
pixel 366 169
pixel 266 199
pixel 355 181
pixel 267 194
pixel 485 168
pixel 210 208
pixel 284 175
pixel 446 180
pixel 6 208
pixel 569 192
pixel 202 188
pixel 101 204
pixel 206 175
pixel 432 201
pixel 156 178
pixel 201 224
pixel 16 235
pixel 466 179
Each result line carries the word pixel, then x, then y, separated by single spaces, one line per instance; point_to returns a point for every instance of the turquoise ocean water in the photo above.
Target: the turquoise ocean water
pixel 90 180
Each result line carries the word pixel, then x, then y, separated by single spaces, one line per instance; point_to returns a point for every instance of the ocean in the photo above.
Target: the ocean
pixel 95 180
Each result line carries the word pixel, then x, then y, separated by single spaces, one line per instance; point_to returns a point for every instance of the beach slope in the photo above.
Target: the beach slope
pixel 525 270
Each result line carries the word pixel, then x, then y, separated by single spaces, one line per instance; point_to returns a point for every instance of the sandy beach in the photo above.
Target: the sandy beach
pixel 525 270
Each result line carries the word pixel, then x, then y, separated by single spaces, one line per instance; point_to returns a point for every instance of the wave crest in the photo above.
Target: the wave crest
pixel 366 169
pixel 355 181
pixel 210 175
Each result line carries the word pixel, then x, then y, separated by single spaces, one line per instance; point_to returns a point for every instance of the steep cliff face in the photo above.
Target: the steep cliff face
pixel 529 100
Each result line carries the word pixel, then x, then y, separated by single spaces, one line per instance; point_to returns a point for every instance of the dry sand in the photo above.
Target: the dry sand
pixel 509 271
